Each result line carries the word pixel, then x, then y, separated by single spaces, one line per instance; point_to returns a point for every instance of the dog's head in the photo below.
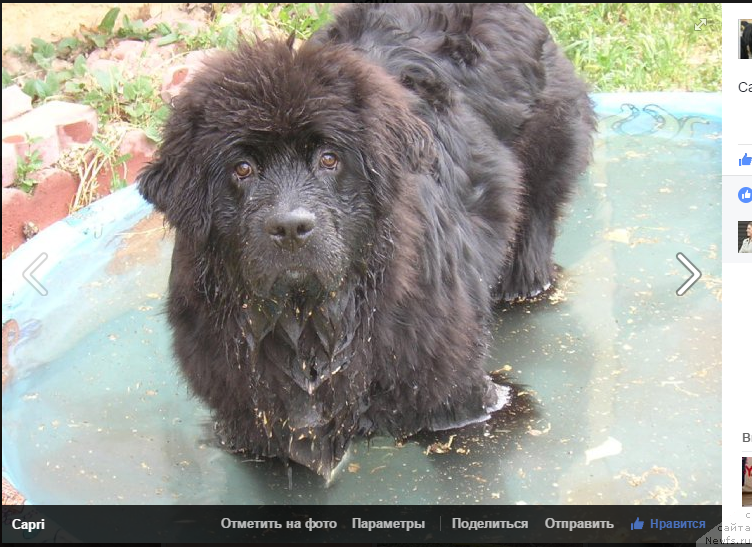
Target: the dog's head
pixel 286 162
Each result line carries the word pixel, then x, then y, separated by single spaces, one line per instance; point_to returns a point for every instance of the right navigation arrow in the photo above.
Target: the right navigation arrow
pixel 696 274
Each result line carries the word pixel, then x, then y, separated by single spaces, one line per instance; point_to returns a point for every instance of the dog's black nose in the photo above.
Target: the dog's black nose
pixel 291 230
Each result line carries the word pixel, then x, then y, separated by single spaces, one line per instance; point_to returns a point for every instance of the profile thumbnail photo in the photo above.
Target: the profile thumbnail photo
pixel 745 38
pixel 744 241
pixel 746 482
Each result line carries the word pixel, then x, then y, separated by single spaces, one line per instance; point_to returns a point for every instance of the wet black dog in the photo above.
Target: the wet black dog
pixel 745 40
pixel 347 214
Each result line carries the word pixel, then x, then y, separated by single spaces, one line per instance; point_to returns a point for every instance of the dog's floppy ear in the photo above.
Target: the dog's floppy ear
pixel 399 140
pixel 402 136
pixel 175 183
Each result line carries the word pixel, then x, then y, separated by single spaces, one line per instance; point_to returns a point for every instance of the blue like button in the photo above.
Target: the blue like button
pixel 745 195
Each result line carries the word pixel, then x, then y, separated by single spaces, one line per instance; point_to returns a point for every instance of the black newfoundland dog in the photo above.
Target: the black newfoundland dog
pixel 347 215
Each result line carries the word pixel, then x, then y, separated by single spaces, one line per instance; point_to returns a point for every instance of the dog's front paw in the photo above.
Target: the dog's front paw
pixel 534 292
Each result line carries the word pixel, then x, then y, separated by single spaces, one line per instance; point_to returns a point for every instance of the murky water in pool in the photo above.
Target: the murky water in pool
pixel 625 375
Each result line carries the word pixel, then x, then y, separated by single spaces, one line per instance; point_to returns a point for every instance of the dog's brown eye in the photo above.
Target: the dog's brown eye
pixel 328 160
pixel 243 169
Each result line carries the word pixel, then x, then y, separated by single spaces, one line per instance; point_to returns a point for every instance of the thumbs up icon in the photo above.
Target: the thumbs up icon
pixel 637 525
pixel 746 160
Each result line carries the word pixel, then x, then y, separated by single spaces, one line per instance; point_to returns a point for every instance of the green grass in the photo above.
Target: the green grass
pixel 639 47
pixel 302 19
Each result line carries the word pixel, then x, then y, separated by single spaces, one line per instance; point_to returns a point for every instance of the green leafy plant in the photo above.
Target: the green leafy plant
pixel 224 37
pixel 137 30
pixel 7 79
pixel 115 98
pixel 105 29
pixel 130 29
pixel 67 46
pixel 43 52
pixel 302 19
pixel 27 165
pixel 43 89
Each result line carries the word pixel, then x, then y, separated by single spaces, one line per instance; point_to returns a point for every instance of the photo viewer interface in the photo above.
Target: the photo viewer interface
pixel 637 368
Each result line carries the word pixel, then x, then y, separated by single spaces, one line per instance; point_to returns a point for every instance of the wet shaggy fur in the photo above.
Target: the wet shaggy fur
pixel 745 41
pixel 347 215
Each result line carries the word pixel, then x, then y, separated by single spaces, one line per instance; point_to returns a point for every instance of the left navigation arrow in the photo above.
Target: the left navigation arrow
pixel 28 274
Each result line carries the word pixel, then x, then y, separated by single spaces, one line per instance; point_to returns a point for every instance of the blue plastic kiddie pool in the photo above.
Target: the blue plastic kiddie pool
pixel 626 374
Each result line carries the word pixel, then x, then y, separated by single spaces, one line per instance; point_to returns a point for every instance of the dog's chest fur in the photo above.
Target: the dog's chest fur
pixel 306 341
